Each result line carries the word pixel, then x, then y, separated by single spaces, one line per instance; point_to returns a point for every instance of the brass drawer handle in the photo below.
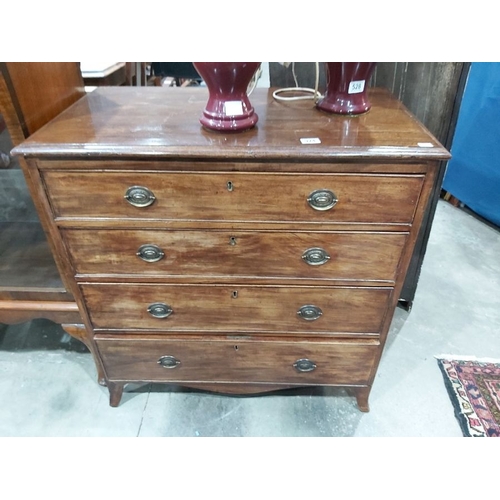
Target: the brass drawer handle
pixel 140 196
pixel 150 253
pixel 310 313
pixel 160 310
pixel 169 362
pixel 322 199
pixel 315 256
pixel 304 365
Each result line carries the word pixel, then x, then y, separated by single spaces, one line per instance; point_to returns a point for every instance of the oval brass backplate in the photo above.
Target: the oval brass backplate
pixel 304 365
pixel 160 310
pixel 150 253
pixel 139 196
pixel 310 312
pixel 169 362
pixel 315 256
pixel 322 199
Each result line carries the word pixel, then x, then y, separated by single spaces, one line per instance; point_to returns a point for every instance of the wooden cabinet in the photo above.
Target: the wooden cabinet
pixel 238 263
pixel 31 286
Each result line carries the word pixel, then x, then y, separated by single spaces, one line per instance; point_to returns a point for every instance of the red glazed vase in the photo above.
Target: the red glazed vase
pixel 228 108
pixel 346 88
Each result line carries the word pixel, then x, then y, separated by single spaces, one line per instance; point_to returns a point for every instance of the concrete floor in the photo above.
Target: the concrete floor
pixel 48 382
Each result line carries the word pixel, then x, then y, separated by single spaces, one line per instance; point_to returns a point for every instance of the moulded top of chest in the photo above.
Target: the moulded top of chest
pixel 158 122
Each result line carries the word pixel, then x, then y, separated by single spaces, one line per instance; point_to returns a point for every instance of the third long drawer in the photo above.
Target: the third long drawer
pixel 236 308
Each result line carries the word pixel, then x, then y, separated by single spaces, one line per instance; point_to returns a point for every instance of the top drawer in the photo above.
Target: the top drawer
pixel 235 196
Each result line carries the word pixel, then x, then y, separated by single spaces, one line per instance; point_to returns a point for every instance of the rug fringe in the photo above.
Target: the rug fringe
pixel 451 357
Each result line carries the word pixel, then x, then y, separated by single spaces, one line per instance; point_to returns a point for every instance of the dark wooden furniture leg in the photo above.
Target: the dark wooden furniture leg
pixel 115 393
pixel 362 394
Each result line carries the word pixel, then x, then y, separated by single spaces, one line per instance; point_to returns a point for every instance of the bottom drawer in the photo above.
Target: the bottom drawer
pixel 239 360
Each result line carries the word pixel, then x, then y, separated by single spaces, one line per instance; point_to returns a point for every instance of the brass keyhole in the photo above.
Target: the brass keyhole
pixel 232 241
pixel 230 186
pixel 234 294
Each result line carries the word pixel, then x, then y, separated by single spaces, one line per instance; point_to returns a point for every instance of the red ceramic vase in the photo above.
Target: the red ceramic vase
pixel 228 108
pixel 346 88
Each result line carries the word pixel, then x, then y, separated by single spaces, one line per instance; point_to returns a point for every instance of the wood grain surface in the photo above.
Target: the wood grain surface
pixel 229 361
pixel 255 197
pixel 161 122
pixel 235 254
pixel 42 90
pixel 213 308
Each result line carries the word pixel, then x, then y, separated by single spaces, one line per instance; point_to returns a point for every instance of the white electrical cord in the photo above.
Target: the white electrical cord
pixel 309 93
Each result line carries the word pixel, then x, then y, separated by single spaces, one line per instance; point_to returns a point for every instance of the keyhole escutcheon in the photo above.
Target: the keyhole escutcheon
pixel 230 186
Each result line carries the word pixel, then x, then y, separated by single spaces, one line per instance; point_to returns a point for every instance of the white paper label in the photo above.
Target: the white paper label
pixel 310 140
pixel 233 108
pixel 356 87
pixel 425 145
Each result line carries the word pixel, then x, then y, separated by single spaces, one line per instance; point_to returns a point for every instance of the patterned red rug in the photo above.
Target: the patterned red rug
pixel 474 389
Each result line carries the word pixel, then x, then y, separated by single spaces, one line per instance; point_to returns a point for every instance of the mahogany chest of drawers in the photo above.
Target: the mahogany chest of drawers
pixel 239 263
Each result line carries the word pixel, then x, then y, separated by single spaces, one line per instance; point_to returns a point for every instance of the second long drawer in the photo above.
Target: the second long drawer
pixel 230 309
pixel 313 255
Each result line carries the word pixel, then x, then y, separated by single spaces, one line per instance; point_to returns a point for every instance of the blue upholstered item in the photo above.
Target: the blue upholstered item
pixel 473 173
